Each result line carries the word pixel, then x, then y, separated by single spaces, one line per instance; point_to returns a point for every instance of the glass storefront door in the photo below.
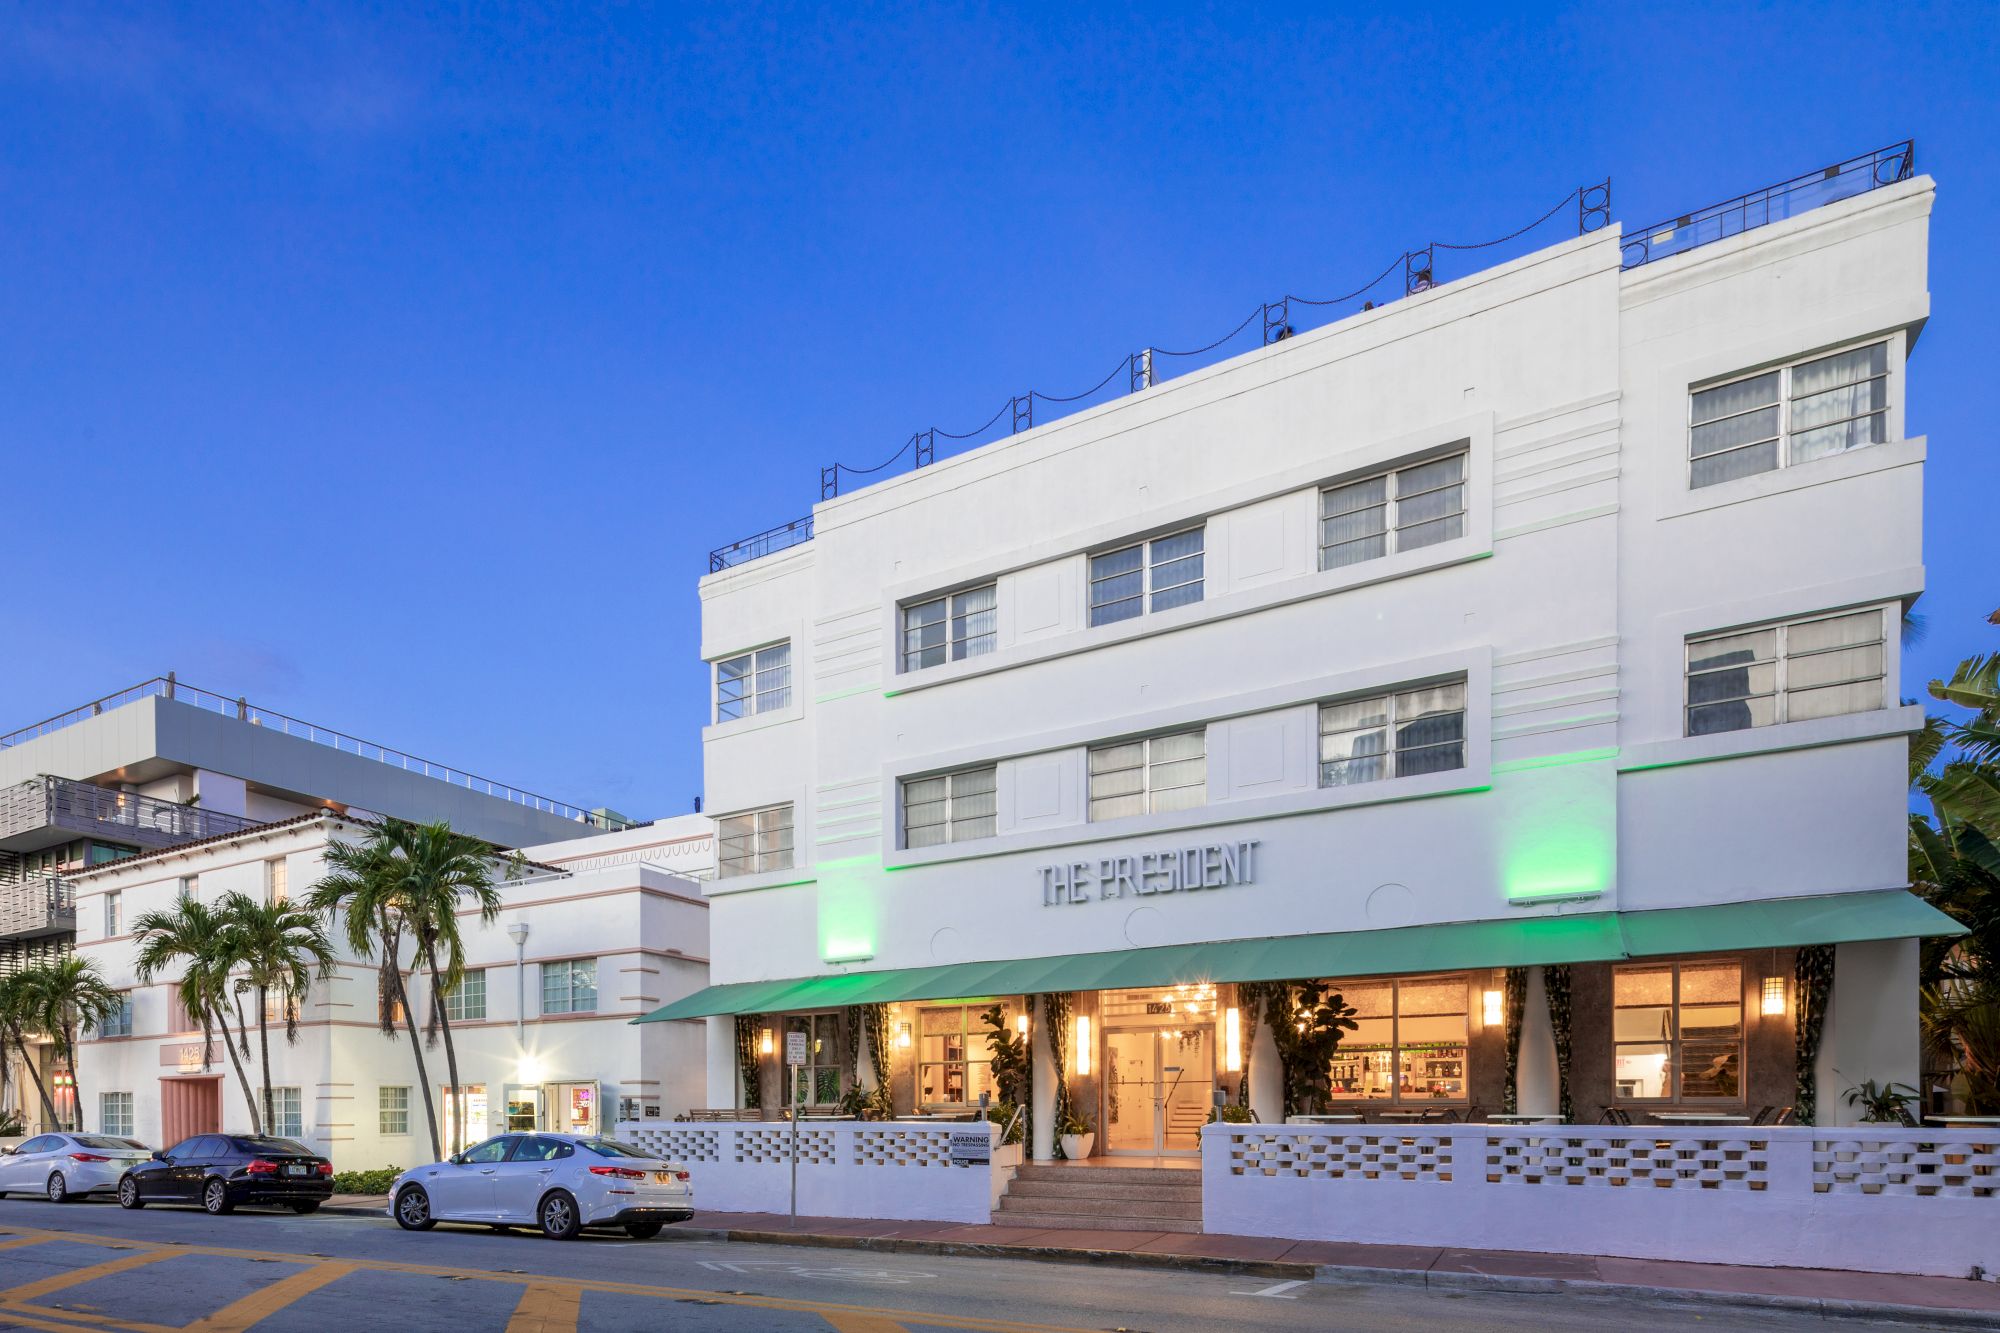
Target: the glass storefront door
pixel 1156 1090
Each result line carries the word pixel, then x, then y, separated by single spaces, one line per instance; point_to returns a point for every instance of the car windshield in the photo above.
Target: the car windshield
pixel 255 1146
pixel 98 1141
pixel 613 1148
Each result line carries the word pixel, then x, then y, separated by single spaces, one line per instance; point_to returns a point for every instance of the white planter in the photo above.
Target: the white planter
pixel 1076 1147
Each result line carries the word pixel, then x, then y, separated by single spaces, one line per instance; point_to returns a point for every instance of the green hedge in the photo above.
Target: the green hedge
pixel 365 1182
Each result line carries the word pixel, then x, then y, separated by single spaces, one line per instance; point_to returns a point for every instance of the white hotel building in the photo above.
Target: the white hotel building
pixel 1533 636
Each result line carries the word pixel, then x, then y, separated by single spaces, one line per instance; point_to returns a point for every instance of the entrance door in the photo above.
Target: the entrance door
pixel 189 1106
pixel 1156 1090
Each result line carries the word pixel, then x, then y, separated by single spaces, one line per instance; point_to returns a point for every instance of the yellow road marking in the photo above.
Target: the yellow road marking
pixel 19 1241
pixel 546 1308
pixel 240 1314
pixel 971 1323
pixel 86 1319
pixel 28 1291
pixel 863 1323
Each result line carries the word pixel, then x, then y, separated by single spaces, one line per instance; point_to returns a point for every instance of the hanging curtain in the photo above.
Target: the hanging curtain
pixel 1517 1003
pixel 746 1060
pixel 1556 980
pixel 1812 983
pixel 1056 1010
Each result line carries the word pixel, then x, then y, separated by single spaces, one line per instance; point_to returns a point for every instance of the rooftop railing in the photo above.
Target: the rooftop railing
pixel 764 543
pixel 170 687
pixel 1773 203
pixel 123 816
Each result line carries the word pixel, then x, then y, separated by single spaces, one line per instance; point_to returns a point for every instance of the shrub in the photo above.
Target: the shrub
pixel 366 1182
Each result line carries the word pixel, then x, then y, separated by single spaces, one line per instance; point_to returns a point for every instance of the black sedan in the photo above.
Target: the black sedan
pixel 220 1171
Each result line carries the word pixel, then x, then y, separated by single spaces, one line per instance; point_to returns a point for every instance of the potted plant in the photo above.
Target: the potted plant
pixel 1230 1114
pixel 1077 1135
pixel 1888 1104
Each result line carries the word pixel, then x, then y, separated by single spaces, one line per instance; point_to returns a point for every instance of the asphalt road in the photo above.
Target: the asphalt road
pixel 93 1266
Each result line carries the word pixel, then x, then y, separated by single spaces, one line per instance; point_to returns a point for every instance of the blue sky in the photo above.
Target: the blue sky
pixel 399 370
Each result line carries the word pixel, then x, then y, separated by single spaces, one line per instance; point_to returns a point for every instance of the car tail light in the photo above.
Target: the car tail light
pixel 679 1175
pixel 618 1172
pixel 87 1157
pixel 260 1167
pixel 326 1168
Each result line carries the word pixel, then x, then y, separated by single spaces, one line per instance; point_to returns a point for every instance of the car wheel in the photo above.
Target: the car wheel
pixel 413 1210
pixel 308 1206
pixel 215 1198
pixel 128 1194
pixel 643 1230
pixel 559 1216
pixel 58 1188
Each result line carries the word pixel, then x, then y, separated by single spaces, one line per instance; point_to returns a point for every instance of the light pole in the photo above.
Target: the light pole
pixel 518 932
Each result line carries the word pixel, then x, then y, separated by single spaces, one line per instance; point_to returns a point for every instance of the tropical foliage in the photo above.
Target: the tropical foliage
pixel 189 937
pixel 61 1000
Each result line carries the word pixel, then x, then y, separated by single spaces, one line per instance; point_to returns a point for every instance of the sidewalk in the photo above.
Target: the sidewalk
pixel 1956 1301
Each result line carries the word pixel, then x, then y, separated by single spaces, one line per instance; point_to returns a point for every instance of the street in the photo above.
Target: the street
pixel 94 1266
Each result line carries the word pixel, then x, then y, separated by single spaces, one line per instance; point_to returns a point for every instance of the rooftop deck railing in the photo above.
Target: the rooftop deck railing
pixel 85 808
pixel 1773 203
pixel 170 687
pixel 1285 317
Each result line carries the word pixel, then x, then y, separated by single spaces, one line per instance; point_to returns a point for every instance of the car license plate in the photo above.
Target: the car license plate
pixel 297 1170
pixel 663 1177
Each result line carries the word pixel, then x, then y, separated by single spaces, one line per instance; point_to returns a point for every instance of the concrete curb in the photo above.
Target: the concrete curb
pixel 1403 1277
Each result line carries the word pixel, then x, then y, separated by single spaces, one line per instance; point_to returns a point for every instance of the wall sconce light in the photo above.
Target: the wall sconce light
pixel 1021 1023
pixel 1493 1009
pixel 1232 1040
pixel 767 1043
pixel 903 1036
pixel 1083 1043
pixel 1774 997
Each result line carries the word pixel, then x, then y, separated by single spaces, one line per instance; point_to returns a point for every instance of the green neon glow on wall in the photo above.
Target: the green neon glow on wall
pixel 848 907
pixel 1555 760
pixel 1559 833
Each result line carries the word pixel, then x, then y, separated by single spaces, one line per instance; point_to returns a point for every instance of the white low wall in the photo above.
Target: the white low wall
pixel 847 1168
pixel 1869 1198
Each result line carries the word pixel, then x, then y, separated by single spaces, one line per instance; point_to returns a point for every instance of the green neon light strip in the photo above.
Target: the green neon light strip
pixel 1556 760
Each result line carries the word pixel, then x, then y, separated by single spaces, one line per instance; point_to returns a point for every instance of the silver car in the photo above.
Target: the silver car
pixel 560 1183
pixel 66 1166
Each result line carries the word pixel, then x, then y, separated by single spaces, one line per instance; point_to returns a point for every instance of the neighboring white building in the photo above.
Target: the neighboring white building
pixel 1537 630
pixel 596 932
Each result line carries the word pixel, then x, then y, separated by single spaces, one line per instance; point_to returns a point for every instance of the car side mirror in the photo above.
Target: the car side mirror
pixel 456 1159
pixel 9 1151
pixel 161 1157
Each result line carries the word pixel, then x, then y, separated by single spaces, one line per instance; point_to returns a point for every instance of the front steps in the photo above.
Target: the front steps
pixel 1102 1198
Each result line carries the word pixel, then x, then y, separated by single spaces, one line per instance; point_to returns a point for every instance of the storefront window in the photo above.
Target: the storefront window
pixel 818 1083
pixel 1678 1030
pixel 1408 1044
pixel 475 1112
pixel 952 1056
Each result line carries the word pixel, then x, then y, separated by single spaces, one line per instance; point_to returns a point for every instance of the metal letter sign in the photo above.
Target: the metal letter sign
pixel 795 1048
pixel 1215 865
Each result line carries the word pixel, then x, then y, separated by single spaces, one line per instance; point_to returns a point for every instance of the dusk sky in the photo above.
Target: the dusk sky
pixel 399 372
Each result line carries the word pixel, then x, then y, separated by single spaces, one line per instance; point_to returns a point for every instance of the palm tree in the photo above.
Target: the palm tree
pixel 18 1013
pixel 364 887
pixel 190 935
pixel 279 947
pixel 73 997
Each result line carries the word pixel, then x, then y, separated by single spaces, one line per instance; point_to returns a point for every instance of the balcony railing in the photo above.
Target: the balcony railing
pixel 1773 203
pixel 764 543
pixel 36 905
pixel 170 687
pixel 118 816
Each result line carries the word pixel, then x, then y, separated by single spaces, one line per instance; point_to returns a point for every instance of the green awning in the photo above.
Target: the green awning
pixel 1454 946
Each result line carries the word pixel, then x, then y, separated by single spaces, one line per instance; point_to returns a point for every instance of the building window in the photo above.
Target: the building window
pixel 1392 735
pixel 1785 673
pixel 1409 1042
pixel 277 880
pixel 115 1113
pixel 570 988
pixel 393 1105
pixel 1419 505
pixel 759 682
pixel 1146 576
pixel 949 629
pixel 281 1007
pixel 817 1083
pixel 466 1002
pixel 952 1057
pixel 1791 415
pixel 287 1119
pixel 114 913
pixel 1150 776
pixel 188 886
pixel 754 841
pixel 1677 1030
pixel 118 1023
pixel 952 807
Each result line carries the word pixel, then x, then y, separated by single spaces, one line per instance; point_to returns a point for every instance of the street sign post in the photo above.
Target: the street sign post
pixel 795 1060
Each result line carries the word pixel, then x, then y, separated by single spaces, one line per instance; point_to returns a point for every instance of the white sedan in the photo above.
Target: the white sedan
pixel 61 1167
pixel 561 1183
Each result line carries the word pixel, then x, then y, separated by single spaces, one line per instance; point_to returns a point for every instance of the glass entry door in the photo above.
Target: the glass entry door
pixel 1156 1090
